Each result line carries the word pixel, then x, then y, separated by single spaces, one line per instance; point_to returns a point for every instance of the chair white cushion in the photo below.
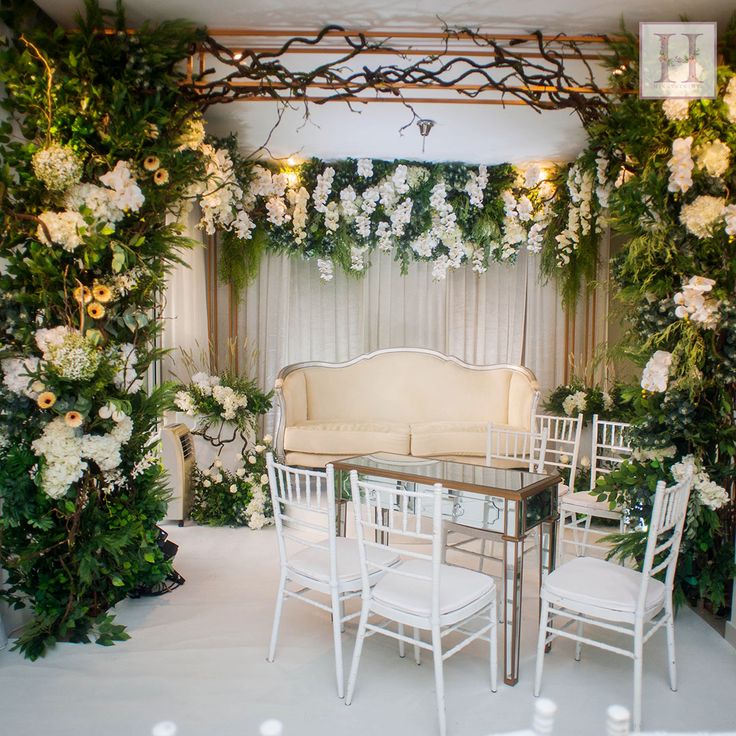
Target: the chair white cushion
pixel 314 562
pixel 347 438
pixel 593 582
pixel 458 588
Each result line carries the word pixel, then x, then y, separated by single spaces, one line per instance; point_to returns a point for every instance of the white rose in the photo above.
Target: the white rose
pixel 207 484
pixel 252 459
pixel 260 449
pixel 264 480
pixel 240 472
pixel 233 488
pixel 218 478
pixel 584 461
pixel 218 463
pixel 267 440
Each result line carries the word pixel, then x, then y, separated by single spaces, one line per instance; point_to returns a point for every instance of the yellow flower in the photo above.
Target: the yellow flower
pixel 96 311
pixel 46 400
pixel 102 293
pixel 72 419
pixel 83 294
pixel 151 163
pixel 161 177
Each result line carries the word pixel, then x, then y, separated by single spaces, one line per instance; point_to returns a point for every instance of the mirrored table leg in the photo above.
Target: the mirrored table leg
pixel 513 564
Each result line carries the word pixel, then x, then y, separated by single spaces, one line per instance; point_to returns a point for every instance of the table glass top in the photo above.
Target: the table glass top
pixel 449 473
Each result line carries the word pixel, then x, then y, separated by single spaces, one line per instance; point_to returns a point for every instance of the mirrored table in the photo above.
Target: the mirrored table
pixel 480 502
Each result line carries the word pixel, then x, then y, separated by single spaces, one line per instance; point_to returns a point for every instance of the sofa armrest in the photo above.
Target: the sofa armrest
pixel 291 404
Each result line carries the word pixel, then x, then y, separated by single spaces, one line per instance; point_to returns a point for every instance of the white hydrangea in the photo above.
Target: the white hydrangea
pixel 701 216
pixel 16 375
pixel 230 400
pixel 656 372
pixel 61 448
pixel 714 157
pixel 675 109
pixel 57 166
pixel 100 201
pixel 575 403
pixel 185 402
pixel 681 165
pixel 66 229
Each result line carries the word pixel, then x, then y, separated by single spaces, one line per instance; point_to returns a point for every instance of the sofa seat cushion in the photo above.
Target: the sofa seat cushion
pixel 589 581
pixel 347 438
pixel 429 439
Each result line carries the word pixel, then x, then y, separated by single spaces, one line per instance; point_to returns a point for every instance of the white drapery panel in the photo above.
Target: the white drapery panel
pixel 288 314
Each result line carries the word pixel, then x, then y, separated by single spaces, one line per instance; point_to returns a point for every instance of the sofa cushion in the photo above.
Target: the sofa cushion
pixel 347 438
pixel 429 439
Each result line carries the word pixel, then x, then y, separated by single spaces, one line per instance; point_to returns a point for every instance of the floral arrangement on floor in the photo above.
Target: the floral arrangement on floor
pixel 666 170
pixel 575 398
pixel 225 498
pixel 338 213
pixel 102 154
pixel 226 398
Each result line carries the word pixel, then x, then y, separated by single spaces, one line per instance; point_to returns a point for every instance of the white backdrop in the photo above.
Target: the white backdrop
pixel 288 315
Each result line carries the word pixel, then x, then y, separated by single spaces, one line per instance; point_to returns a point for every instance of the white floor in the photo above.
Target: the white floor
pixel 198 657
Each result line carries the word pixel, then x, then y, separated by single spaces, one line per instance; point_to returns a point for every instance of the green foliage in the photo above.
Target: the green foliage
pixel 576 398
pixel 225 498
pixel 106 99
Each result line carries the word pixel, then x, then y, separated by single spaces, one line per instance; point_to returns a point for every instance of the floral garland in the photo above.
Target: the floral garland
pixel 339 213
pixel 661 173
pixel 575 398
pixel 227 398
pixel 106 151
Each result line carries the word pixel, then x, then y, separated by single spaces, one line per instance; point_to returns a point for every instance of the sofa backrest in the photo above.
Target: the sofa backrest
pixel 408 385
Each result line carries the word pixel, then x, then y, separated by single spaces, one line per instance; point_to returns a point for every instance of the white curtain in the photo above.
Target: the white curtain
pixel 288 314
pixel 185 306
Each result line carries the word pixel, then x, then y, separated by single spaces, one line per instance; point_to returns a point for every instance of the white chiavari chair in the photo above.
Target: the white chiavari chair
pixel 313 557
pixel 610 448
pixel 421 593
pixel 587 591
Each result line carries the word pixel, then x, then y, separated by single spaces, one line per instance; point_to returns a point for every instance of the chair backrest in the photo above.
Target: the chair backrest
pixel 611 446
pixel 303 508
pixel 665 533
pixel 563 442
pixel 516 448
pixel 384 511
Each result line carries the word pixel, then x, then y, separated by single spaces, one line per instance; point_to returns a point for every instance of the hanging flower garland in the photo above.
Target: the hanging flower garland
pixel 339 213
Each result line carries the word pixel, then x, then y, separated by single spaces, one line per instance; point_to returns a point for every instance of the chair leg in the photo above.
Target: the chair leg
pixel 356 653
pixel 402 644
pixel 417 648
pixel 493 615
pixel 578 644
pixel 543 617
pixel 439 681
pixel 670 626
pixel 277 618
pixel 638 661
pixel 342 616
pixel 337 627
pixel 586 534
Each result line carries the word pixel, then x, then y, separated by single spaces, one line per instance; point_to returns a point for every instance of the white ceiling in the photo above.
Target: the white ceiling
pixel 472 133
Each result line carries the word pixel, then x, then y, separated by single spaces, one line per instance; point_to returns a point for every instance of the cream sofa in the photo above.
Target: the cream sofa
pixel 406 401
